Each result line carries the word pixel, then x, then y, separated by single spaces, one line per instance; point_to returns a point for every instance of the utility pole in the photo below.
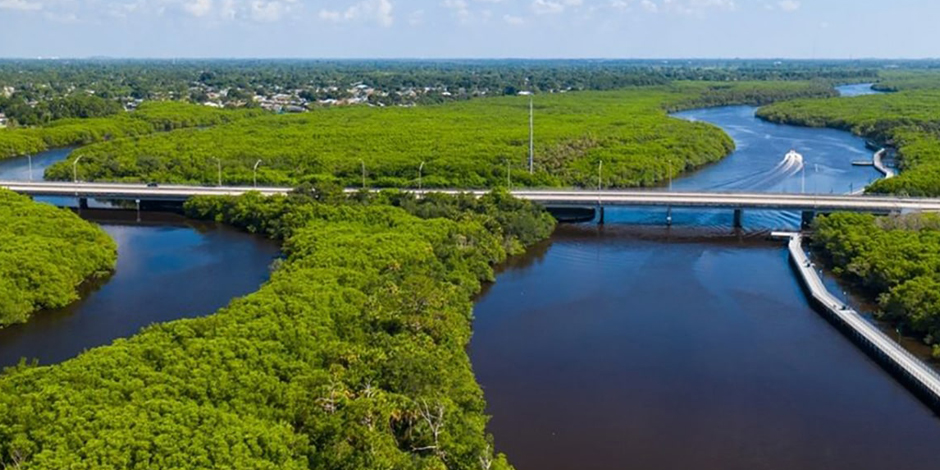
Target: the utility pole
pixel 363 173
pixel 30 158
pixel 255 173
pixel 531 135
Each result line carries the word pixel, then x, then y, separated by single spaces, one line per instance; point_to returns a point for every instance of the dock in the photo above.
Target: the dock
pixel 877 161
pixel 914 373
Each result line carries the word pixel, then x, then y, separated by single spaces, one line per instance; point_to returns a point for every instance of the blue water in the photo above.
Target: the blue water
pixel 757 166
pixel 168 268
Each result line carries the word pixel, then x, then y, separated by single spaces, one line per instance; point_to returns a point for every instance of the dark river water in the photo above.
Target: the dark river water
pixel 635 346
pixel 168 268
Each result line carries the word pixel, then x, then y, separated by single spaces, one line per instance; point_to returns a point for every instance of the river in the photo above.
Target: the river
pixel 168 267
pixel 640 346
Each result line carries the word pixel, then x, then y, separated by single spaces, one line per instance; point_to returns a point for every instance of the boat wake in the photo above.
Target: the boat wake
pixel 791 164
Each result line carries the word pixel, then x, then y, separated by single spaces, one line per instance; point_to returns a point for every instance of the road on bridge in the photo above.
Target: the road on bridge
pixel 553 197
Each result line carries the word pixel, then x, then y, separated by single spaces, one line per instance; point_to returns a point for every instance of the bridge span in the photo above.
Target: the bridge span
pixel 808 204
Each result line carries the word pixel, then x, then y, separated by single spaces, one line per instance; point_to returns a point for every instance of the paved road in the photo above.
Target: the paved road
pixel 770 201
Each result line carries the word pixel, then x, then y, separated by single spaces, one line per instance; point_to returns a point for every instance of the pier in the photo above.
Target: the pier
pixel 878 162
pixel 916 375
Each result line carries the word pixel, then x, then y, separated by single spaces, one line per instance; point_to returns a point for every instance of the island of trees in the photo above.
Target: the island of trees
pixel 46 253
pixel 351 357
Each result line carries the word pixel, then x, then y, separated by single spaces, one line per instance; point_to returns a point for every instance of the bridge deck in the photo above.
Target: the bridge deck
pixel 762 201
pixel 925 378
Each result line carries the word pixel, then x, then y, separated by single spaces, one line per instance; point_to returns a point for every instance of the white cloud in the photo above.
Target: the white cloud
pixel 789 5
pixel 379 11
pixel 543 7
pixel 21 5
pixel 459 7
pixel 688 7
pixel 198 7
pixel 267 11
pixel 622 5
pixel 416 18
pixel 513 20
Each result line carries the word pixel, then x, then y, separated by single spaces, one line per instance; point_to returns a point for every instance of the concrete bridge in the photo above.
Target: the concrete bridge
pixel 808 204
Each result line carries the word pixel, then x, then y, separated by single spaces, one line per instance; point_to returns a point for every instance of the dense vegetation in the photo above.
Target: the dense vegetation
pixel 350 357
pixel 900 80
pixel 909 120
pixel 45 254
pixel 73 106
pixel 895 258
pixel 150 117
pixel 468 145
pixel 753 93
pixel 184 79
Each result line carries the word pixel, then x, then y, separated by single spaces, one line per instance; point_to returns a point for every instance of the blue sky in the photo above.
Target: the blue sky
pixel 470 28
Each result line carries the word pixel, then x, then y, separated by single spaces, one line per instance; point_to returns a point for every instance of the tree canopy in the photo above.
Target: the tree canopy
pixel 897 259
pixel 45 254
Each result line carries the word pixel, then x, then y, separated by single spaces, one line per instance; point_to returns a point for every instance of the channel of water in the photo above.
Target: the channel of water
pixel 641 346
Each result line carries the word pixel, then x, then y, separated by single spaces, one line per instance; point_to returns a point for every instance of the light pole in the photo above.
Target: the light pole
pixel 255 173
pixel 219 163
pixel 816 178
pixel 803 179
pixel 531 135
pixel 75 169
pixel 508 176
pixel 600 168
pixel 363 163
pixel 420 168
pixel 30 158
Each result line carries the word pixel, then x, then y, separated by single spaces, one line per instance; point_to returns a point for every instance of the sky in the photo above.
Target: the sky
pixel 470 28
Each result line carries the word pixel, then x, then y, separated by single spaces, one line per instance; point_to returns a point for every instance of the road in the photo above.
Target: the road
pixel 550 197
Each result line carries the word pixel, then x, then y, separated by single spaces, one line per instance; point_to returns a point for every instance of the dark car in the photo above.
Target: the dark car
pixel 152 185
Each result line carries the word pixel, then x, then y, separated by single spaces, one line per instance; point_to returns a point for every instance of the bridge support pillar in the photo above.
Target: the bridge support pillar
pixel 83 203
pixel 738 218
pixel 600 215
pixel 807 218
